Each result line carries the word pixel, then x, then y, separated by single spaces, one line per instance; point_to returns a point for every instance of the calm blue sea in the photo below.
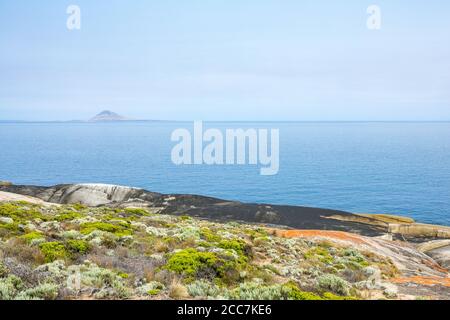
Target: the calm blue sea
pixel 399 168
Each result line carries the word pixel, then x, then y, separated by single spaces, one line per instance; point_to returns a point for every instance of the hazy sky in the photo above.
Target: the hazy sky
pixel 225 60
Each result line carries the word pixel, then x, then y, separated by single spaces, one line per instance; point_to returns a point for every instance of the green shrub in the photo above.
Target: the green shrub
pixel 190 261
pixel 12 229
pixel 272 268
pixel 9 287
pixel 237 245
pixel 109 282
pixel 354 259
pixel 319 253
pixel 3 270
pixel 136 211
pixel 68 216
pixel 294 293
pixel 78 246
pixel 203 288
pixel 118 230
pixel 209 236
pixel 224 267
pixel 53 251
pixel 332 296
pixel 21 212
pixel 44 291
pixel 333 283
pixel 153 292
pixel 256 291
pixel 29 237
pixel 79 206
pixel 152 289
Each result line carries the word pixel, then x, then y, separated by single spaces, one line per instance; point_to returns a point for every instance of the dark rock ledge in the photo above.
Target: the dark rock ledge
pixel 295 217
pixel 198 206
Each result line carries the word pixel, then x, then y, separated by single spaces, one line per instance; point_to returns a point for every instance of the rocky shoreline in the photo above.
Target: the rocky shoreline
pixel 420 252
pixel 296 217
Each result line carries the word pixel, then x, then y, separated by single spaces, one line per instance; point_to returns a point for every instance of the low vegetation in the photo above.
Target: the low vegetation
pixel 76 252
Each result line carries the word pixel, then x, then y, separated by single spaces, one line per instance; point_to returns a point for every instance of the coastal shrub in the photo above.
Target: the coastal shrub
pixel 189 232
pixel 239 246
pixel 136 211
pixel 203 288
pixel 209 236
pixel 219 265
pixel 79 206
pixel 110 283
pixel 256 233
pixel 333 283
pixel 78 246
pixel 332 296
pixel 319 253
pixel 68 216
pixel 272 269
pixel 10 229
pixel 118 230
pixel 21 212
pixel 9 287
pixel 152 288
pixel 53 251
pixel 46 291
pixel 117 291
pixel 3 270
pixel 29 237
pixel 354 259
pixel 287 291
pixel 8 209
pixel 153 292
pixel 261 241
pixel 190 261
pixel 256 291
pixel 108 240
pixel 294 293
pixel 157 232
pixel 71 234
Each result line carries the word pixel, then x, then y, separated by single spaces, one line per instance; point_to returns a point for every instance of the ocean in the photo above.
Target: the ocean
pixel 375 167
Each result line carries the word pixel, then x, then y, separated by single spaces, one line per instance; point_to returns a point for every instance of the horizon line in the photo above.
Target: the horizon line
pixel 238 121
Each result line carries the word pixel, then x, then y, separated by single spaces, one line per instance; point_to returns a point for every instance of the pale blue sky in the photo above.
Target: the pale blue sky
pixel 225 60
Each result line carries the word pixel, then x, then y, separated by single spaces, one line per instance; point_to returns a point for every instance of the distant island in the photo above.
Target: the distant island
pixel 104 116
pixel 107 115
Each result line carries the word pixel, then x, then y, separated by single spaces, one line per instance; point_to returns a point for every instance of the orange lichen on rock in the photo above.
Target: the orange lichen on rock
pixel 422 280
pixel 435 266
pixel 338 235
